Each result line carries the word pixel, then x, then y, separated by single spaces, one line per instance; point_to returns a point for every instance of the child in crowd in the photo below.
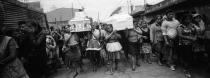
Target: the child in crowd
pixel 113 47
pixel 146 45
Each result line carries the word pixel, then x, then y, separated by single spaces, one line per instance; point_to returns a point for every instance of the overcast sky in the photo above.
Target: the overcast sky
pixel 92 7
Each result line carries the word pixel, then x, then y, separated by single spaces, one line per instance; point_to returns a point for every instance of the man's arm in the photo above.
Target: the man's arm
pixel 164 30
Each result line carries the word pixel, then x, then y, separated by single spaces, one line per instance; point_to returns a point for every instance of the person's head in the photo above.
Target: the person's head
pixel 103 26
pixel 66 28
pixel 109 28
pixel 187 19
pixel 197 17
pixel 22 25
pixel 170 14
pixel 159 19
pixel 52 28
pixel 2 30
pixel 94 26
pixel 144 24
pixel 35 27
pixel 135 24
pixel 48 32
pixel 139 23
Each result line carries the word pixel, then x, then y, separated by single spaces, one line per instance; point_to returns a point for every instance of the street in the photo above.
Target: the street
pixel 105 39
pixel 145 71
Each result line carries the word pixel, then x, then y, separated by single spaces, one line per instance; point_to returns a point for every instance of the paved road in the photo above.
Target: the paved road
pixel 145 71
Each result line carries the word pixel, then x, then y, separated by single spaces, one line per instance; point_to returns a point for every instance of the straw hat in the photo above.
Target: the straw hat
pixel 196 15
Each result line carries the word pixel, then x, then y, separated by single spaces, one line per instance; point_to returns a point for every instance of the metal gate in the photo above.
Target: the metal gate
pixel 12 11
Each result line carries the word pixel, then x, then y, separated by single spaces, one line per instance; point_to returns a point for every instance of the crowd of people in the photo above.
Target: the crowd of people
pixel 34 51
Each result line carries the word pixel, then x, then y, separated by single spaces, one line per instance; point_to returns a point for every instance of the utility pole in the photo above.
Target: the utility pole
pixel 131 5
pixel 98 17
pixel 72 10
pixel 145 7
pixel 56 22
pixel 145 3
pixel 128 6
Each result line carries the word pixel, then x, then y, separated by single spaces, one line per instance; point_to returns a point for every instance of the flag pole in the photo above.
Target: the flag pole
pixel 98 17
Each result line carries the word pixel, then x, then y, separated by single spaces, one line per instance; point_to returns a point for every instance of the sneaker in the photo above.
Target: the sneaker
pixel 138 65
pixel 159 63
pixel 133 69
pixel 116 68
pixel 172 68
pixel 75 75
pixel 188 75
pixel 149 62
pixel 82 70
pixel 109 72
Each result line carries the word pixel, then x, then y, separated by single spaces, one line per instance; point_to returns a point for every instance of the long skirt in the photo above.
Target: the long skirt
pixel 73 55
pixel 14 69
pixel 94 56
pixel 133 48
pixel 185 54
pixel 157 49
pixel 113 55
pixel 146 48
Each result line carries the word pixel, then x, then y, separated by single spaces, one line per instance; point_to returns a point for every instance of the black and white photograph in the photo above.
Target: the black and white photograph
pixel 104 38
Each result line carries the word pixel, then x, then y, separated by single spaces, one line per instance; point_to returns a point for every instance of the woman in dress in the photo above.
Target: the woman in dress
pixel 10 65
pixel 199 46
pixel 38 57
pixel 72 52
pixel 156 38
pixel 133 36
pixel 187 37
pixel 146 44
pixel 65 49
pixel 52 52
pixel 94 47
pixel 113 47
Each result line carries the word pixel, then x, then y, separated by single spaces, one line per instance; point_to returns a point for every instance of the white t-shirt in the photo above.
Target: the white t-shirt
pixel 168 26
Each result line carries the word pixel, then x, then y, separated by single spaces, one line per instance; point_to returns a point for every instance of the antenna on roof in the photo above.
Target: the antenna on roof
pixel 98 17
